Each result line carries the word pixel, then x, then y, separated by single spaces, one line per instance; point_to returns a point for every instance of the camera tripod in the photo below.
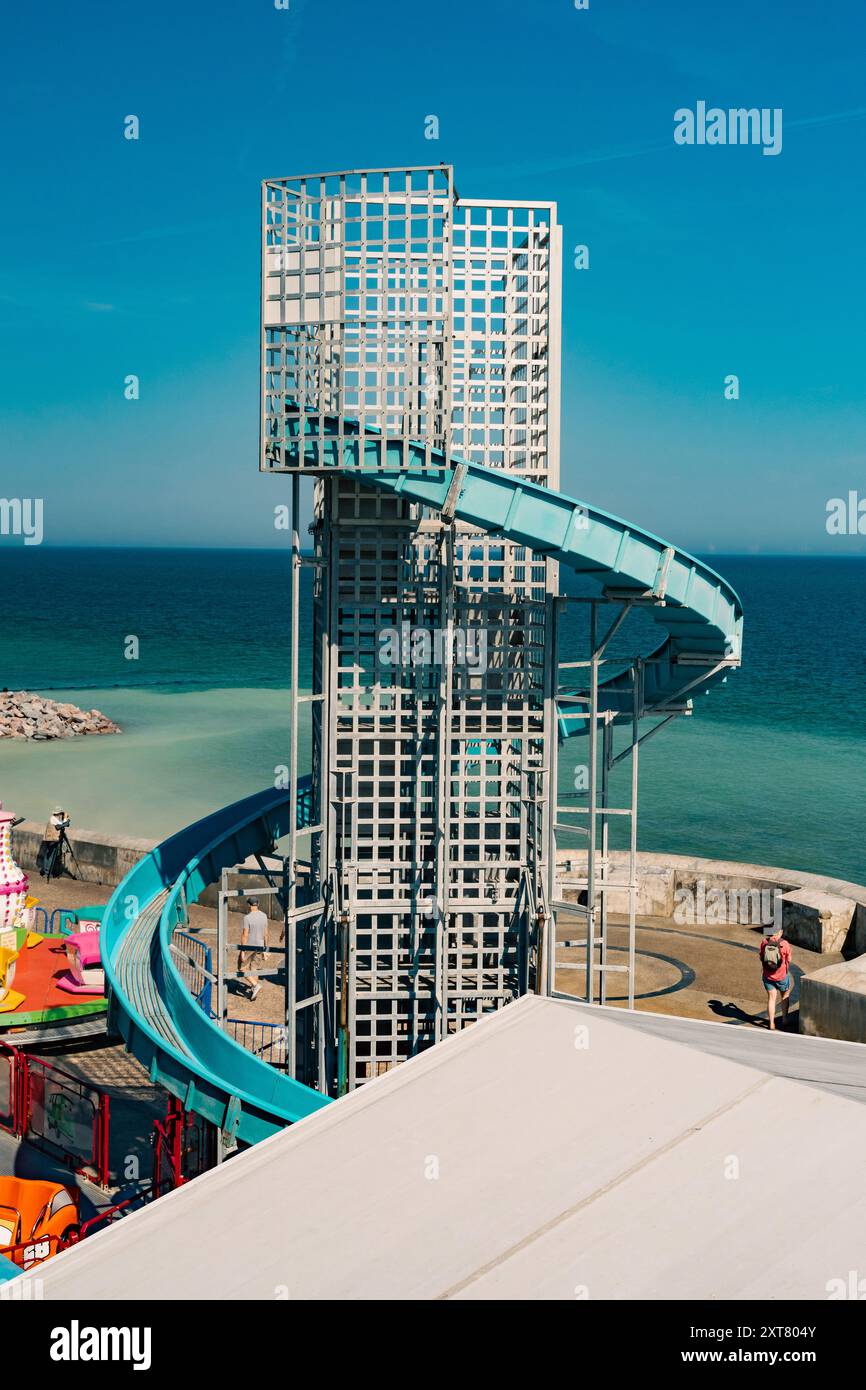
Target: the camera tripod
pixel 59 857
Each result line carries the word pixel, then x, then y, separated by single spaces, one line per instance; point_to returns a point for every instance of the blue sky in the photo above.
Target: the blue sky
pixel 141 257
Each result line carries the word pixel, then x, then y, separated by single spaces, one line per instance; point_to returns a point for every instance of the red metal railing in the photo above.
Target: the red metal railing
pixel 109 1215
pixel 28 1253
pixel 12 1088
pixel 44 1104
pixel 49 1107
pixel 184 1145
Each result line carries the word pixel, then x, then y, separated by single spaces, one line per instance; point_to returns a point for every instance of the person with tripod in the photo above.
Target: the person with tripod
pixel 55 847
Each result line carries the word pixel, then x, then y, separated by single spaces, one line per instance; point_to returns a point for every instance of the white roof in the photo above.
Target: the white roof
pixel 549 1151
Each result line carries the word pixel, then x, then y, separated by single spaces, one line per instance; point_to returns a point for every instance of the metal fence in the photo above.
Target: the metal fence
pixel 56 1111
pixel 28 1253
pixel 184 1146
pixel 265 1040
pixel 195 967
pixel 10 1089
pixel 40 920
pixel 66 920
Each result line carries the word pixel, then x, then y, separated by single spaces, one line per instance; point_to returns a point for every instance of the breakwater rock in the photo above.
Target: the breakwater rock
pixel 33 717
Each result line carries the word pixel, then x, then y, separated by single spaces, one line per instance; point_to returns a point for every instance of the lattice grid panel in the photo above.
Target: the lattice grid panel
pixel 439 333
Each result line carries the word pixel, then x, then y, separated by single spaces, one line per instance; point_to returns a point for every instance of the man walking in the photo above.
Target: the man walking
pixel 776 971
pixel 254 947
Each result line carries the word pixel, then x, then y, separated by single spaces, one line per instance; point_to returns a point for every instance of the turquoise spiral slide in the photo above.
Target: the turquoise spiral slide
pixel 701 620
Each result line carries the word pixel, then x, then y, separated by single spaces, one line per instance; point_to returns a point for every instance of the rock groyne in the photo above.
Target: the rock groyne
pixel 25 716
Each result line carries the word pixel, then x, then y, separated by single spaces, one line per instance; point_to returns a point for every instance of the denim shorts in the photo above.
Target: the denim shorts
pixel 780 985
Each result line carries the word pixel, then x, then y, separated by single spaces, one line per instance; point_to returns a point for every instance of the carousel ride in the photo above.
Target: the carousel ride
pixel 46 977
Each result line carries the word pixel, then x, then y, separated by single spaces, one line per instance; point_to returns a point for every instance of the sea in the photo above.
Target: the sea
pixel 770 767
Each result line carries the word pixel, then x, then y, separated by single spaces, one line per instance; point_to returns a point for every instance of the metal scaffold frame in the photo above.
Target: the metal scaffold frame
pixel 602 758
pixel 432 811
pixel 392 308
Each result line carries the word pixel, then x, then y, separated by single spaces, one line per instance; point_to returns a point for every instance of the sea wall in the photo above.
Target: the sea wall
pixel 104 859
pixel 660 877
pixel 107 859
pixel 818 913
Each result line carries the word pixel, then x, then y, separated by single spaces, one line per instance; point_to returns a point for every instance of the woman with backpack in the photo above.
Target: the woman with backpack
pixel 777 978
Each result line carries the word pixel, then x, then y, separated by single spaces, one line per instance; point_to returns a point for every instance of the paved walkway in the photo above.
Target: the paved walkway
pixel 66 892
pixel 703 972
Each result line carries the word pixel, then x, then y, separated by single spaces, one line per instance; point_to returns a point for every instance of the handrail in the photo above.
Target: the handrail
pixel 70 918
pixel 34 1251
pixel 109 1214
pixel 205 969
pixel 40 912
pixel 18 1088
pixel 263 1037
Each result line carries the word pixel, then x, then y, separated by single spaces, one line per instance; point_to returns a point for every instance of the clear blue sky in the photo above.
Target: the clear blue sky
pixel 142 257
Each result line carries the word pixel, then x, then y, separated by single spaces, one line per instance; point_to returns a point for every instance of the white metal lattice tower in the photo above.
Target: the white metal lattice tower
pixel 392 307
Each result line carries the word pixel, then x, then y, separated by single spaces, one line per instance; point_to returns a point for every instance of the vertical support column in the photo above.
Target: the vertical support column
pixel 221 953
pixel 552 741
pixel 446 610
pixel 103 1132
pixel 593 792
pixel 322 815
pixel 291 993
pixel 291 975
pixel 321 984
pixel 430 910
pixel 606 758
pixel 637 675
pixel 293 752
pixel 343 1024
pixel 331 794
pixel 332 790
pixel 349 898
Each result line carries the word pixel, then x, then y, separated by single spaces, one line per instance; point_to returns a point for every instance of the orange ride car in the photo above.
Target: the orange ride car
pixel 35 1218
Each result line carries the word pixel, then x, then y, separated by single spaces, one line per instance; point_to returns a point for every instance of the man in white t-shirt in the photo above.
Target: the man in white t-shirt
pixel 254 938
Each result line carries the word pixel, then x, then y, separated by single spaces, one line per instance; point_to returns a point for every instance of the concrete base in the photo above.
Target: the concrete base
pixel 819 921
pixel 833 1002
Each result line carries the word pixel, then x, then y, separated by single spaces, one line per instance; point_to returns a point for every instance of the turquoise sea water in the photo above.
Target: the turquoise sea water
pixel 771 767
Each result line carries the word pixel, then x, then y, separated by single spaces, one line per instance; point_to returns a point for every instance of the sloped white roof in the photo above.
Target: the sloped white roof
pixel 548 1152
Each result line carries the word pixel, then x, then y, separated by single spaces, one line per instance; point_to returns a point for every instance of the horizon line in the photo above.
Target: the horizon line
pixel 308 550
